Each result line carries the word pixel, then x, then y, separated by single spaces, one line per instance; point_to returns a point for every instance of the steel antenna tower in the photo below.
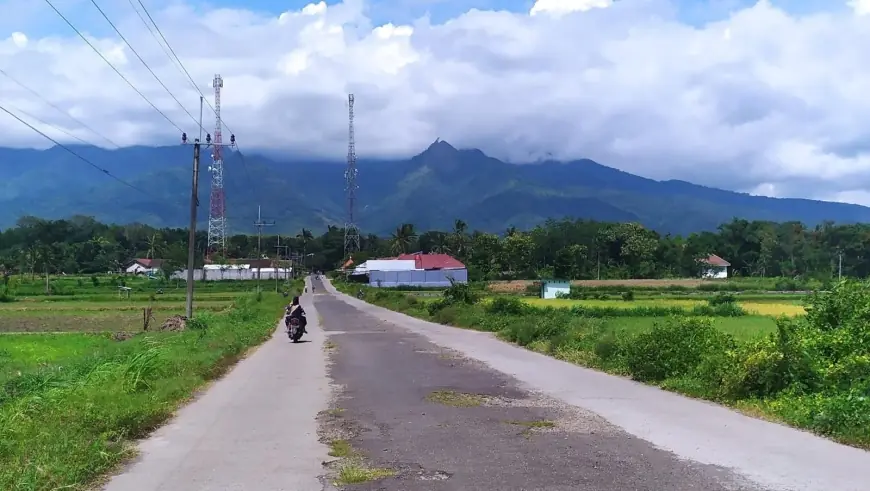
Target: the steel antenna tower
pixel 351 231
pixel 217 216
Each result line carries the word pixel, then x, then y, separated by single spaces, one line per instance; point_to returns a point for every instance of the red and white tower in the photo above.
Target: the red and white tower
pixel 217 216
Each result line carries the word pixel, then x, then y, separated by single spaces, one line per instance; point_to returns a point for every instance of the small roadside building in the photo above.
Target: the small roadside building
pixel 143 266
pixel 418 269
pixel 714 267
pixel 551 289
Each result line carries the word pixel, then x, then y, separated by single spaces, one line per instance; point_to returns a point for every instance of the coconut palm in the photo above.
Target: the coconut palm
pixel 402 238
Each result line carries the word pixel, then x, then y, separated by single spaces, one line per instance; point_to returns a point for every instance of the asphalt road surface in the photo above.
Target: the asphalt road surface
pixel 544 424
pixel 508 439
pixel 439 408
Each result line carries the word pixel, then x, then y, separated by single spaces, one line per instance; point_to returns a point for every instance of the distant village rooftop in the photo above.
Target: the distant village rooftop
pixel 714 260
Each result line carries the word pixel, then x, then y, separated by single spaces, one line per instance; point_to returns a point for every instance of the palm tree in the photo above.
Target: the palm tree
pixel 442 244
pixel 459 238
pixel 402 238
pixel 155 243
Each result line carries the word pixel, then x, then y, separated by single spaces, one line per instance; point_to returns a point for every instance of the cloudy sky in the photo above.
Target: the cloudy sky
pixel 770 97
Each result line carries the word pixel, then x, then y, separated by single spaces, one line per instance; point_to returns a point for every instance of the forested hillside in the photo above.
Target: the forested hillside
pixel 429 190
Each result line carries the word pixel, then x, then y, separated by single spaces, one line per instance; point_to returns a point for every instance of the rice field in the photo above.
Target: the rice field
pixel 754 307
pixel 102 310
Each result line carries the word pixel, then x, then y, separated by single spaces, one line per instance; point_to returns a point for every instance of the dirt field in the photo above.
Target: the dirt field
pixel 521 285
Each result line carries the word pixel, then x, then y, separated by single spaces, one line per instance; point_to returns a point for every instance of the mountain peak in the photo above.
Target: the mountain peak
pixel 441 147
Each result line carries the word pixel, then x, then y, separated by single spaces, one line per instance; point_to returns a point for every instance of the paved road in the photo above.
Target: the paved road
pixel 531 422
pixel 388 371
pixel 254 430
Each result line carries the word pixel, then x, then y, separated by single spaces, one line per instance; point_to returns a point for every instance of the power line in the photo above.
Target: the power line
pixel 83 159
pixel 189 77
pixel 154 35
pixel 58 109
pixel 54 127
pixel 111 65
pixel 144 62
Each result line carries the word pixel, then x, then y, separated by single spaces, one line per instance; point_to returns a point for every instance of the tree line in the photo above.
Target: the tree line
pixel 576 249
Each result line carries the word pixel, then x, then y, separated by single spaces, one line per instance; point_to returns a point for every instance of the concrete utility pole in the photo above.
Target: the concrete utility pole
pixel 191 236
pixel 260 223
pixel 194 204
pixel 839 265
pixel 278 249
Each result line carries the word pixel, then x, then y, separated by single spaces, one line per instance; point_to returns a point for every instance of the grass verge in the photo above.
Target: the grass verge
pixel 67 420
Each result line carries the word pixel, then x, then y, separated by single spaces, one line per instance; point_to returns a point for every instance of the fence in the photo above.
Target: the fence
pixel 435 277
pixel 234 274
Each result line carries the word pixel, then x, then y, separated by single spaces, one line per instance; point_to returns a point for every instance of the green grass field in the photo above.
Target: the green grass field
pixel 74 396
pixel 87 306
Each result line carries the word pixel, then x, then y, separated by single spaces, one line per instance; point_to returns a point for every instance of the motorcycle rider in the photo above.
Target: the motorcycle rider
pixel 296 310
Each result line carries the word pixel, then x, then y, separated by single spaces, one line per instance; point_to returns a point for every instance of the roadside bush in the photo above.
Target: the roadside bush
pixel 460 293
pixel 628 296
pixel 447 314
pixel 199 322
pixel 719 310
pixel 508 305
pixel 722 299
pixel 673 349
pixel 527 329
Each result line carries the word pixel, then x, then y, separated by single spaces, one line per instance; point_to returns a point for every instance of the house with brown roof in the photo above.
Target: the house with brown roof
pixel 714 267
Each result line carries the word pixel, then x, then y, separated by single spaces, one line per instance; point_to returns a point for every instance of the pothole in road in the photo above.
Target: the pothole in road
pixel 457 399
pixel 433 475
pixel 417 472
pixel 534 426
pixel 566 417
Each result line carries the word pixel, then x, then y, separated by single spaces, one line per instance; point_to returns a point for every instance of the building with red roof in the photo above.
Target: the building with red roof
pixel 714 267
pixel 433 261
pixel 435 270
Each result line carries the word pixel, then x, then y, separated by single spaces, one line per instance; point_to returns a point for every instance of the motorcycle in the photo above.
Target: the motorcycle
pixel 294 326
pixel 294 329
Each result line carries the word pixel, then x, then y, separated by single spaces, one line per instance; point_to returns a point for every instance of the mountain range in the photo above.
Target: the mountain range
pixel 429 190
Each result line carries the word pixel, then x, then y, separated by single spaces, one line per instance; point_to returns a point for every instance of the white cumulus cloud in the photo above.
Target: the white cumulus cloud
pixel 763 101
pixel 861 7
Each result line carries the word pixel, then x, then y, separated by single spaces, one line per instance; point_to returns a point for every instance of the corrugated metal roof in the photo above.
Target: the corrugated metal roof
pixel 385 265
pixel 391 265
pixel 434 261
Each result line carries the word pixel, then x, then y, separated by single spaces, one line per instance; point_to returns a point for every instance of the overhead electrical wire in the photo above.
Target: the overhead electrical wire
pixel 78 156
pixel 45 123
pixel 58 109
pixel 166 51
pixel 74 28
pixel 195 122
pixel 189 77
